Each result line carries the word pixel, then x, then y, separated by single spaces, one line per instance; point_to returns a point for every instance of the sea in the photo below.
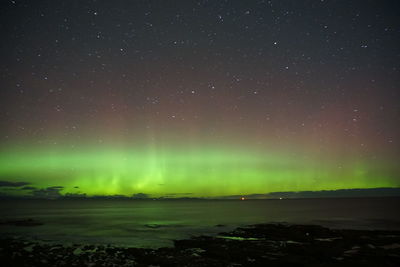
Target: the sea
pixel 156 223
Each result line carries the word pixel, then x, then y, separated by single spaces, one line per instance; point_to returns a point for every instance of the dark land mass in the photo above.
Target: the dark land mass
pixel 53 193
pixel 255 245
pixel 339 193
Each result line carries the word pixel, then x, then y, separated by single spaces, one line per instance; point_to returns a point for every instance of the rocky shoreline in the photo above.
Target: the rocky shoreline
pixel 254 245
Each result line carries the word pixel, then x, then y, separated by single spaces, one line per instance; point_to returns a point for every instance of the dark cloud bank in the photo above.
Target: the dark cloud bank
pixel 12 184
pixel 54 192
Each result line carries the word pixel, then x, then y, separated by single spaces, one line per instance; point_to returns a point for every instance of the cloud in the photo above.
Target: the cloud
pixel 58 187
pixel 75 195
pixel 28 188
pixel 140 196
pixel 49 192
pixel 12 184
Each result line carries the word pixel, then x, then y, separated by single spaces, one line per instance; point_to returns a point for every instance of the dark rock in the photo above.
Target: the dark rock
pixel 255 245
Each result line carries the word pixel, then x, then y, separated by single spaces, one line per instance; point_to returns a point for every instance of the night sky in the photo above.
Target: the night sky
pixel 198 98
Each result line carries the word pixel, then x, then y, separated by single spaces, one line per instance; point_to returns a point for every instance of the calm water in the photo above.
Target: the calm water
pixel 157 223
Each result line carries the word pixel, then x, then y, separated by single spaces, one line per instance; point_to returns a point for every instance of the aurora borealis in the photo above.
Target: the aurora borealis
pixel 198 98
pixel 201 171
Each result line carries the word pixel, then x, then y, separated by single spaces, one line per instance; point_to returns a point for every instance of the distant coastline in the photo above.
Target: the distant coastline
pixel 339 193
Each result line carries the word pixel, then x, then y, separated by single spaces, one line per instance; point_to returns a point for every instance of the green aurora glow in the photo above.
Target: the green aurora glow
pixel 195 171
pixel 198 98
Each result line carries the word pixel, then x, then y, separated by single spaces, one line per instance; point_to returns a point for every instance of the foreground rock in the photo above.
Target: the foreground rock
pixel 256 245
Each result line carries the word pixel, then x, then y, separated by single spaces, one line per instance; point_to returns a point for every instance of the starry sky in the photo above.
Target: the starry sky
pixel 198 98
